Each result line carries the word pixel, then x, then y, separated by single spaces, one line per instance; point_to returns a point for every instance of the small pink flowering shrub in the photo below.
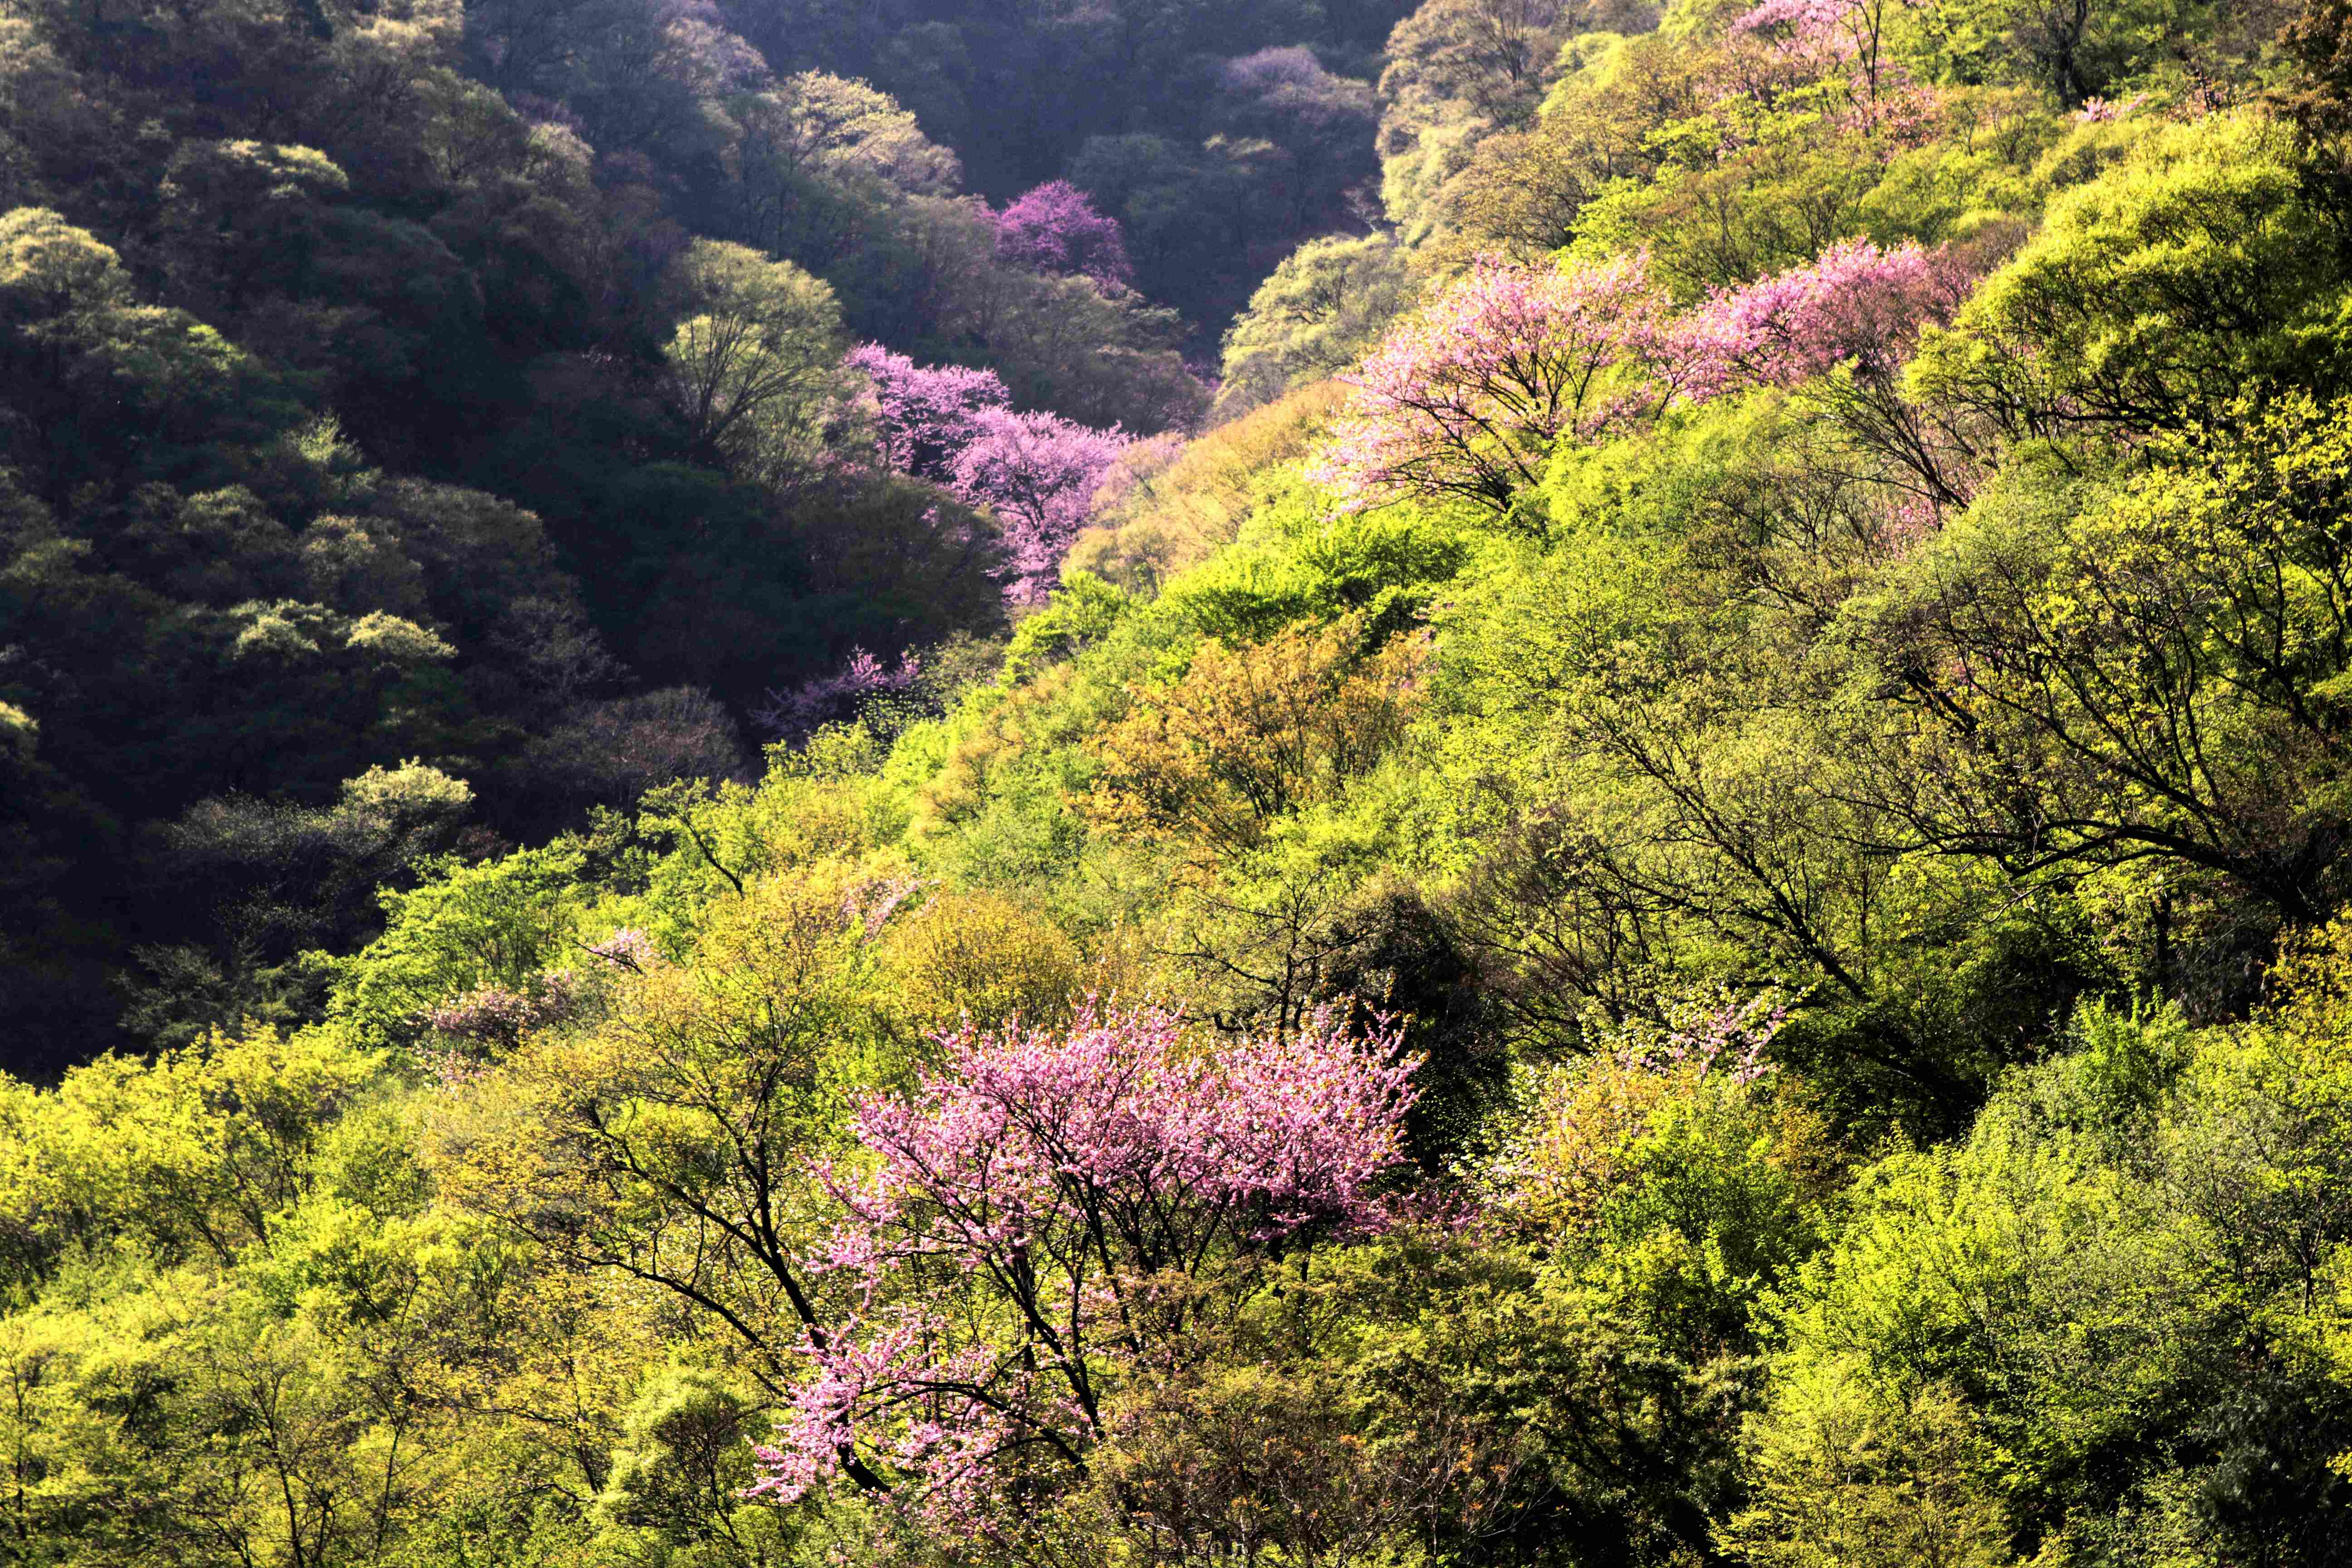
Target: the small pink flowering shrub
pixel 494 1015
pixel 2099 111
pixel 497 1017
pixel 1045 1218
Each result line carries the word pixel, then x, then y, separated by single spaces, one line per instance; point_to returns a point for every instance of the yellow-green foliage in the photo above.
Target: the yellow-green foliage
pixel 2192 273
pixel 200 1151
pixel 1181 517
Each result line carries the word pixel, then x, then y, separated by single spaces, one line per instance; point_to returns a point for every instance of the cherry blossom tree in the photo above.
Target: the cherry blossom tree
pixel 1467 399
pixel 1048 1215
pixel 926 414
pixel 1054 228
pixel 1038 473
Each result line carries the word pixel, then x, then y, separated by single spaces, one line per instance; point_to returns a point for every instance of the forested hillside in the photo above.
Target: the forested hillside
pixel 466 389
pixel 1306 785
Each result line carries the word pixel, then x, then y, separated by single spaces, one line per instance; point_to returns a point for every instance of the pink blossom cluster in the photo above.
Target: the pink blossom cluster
pixel 925 413
pixel 2098 110
pixel 1090 1184
pixel 500 1015
pixel 797 714
pixel 451 1070
pixel 1054 228
pixel 1815 26
pixel 1038 473
pixel 1469 399
pixel 497 1016
pixel 627 948
pixel 869 904
pixel 862 1397
pixel 1721 1032
pixel 699 48
pixel 1855 305
pixel 1783 47
pixel 1035 473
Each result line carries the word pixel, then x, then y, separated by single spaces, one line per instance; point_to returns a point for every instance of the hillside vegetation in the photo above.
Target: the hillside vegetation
pixel 487 390
pixel 1664 886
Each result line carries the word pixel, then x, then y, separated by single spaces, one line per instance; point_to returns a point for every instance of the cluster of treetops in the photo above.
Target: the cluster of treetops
pixel 1666 889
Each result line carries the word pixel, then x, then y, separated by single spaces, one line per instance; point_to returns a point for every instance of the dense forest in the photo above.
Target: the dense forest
pixel 1304 783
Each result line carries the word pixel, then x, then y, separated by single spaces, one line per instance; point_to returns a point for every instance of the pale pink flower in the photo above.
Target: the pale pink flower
pixel 2097 110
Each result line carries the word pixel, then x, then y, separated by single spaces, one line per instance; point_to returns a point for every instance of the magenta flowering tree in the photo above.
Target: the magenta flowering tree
pixel 1821 34
pixel 1045 1216
pixel 1468 398
pixel 926 414
pixel 1853 305
pixel 1054 228
pixel 1038 473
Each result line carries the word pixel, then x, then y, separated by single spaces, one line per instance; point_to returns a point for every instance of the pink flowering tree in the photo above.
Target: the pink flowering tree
pixel 1038 473
pixel 1797 44
pixel 925 413
pixel 1049 1215
pixel 1054 228
pixel 1821 35
pixel 794 714
pixel 1468 398
pixel 1855 305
